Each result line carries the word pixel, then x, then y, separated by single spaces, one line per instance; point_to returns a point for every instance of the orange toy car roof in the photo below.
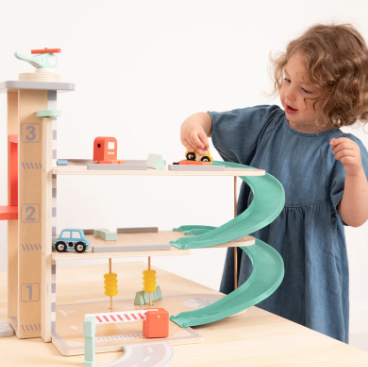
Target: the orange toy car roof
pixel 46 51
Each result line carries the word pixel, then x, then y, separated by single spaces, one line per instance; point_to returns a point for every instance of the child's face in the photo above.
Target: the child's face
pixel 293 92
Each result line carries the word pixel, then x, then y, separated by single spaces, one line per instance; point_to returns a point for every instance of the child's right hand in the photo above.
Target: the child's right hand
pixel 194 138
pixel 194 132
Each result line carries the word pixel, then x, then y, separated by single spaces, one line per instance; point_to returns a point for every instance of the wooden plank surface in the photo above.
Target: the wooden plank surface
pixel 81 169
pixel 256 338
pixel 133 239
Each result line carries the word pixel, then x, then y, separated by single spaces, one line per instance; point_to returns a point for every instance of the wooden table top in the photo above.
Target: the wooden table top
pixel 256 338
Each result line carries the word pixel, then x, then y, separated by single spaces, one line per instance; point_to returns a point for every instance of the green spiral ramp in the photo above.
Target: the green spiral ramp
pixel 268 266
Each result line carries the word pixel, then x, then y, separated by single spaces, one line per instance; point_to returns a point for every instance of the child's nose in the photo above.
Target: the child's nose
pixel 290 95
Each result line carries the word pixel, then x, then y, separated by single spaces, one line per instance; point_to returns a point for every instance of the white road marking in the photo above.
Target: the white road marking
pixel 65 313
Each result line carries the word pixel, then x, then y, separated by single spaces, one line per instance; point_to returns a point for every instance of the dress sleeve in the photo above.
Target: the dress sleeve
pixel 339 174
pixel 235 133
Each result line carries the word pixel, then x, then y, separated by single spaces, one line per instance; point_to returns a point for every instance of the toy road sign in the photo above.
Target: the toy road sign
pixel 113 317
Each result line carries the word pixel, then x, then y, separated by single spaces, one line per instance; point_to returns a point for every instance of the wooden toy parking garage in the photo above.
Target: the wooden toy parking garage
pixel 31 214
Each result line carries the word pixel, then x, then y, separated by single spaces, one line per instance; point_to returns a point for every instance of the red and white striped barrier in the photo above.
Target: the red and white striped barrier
pixel 113 317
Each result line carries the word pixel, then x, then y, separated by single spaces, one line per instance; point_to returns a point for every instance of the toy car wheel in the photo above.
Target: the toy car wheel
pixel 205 159
pixel 80 247
pixel 60 247
pixel 191 156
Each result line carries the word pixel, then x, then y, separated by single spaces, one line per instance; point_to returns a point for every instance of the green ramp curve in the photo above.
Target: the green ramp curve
pixel 268 267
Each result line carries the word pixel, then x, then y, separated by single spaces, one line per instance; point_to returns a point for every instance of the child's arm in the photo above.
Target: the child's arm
pixel 353 207
pixel 194 132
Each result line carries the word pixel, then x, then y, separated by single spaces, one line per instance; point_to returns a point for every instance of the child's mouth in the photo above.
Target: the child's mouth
pixel 290 109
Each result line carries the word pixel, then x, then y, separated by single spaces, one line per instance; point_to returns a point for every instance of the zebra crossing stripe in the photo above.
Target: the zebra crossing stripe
pixel 114 317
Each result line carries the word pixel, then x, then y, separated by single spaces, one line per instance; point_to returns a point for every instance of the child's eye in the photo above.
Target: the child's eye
pixel 304 90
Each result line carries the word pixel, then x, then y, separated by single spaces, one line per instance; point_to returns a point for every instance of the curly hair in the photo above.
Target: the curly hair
pixel 336 59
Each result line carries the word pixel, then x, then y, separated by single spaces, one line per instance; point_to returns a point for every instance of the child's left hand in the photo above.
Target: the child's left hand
pixel 348 153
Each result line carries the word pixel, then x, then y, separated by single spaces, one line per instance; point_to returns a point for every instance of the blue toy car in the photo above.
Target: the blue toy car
pixel 71 239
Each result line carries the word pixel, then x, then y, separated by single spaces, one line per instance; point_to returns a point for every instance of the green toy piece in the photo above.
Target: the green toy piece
pixel 190 230
pixel 268 201
pixel 62 163
pixel 155 161
pixel 39 61
pixel 89 332
pixel 142 297
pixel 268 266
pixel 106 234
pixel 48 113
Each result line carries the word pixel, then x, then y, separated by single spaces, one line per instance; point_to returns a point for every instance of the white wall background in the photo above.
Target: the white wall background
pixel 140 69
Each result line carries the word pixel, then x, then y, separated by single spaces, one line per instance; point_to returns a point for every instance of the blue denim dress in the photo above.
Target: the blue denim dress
pixel 309 232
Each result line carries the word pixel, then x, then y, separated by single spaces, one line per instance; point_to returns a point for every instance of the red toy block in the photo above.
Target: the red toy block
pixel 46 51
pixel 156 324
pixel 13 170
pixel 8 212
pixel 194 163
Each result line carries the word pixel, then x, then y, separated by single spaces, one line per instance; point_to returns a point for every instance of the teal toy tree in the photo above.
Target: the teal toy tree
pixel 268 266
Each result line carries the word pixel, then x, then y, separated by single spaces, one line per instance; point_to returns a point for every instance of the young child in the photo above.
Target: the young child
pixel 323 170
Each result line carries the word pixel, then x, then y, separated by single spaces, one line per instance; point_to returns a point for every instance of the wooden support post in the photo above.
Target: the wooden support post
pixel 30 213
pixel 150 294
pixel 110 271
pixel 235 248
